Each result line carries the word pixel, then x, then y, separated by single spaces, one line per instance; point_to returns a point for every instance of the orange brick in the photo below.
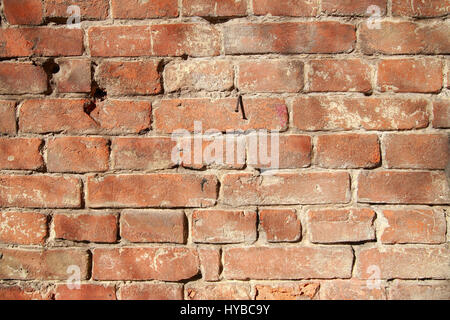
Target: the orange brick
pixel 23 11
pixel 293 8
pixel 151 291
pixel 280 225
pixel 136 9
pixel 23 227
pixel 221 291
pixel 85 292
pixel 20 154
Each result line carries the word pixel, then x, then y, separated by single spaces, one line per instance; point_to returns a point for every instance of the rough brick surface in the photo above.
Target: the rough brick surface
pixel 280 225
pixel 23 227
pixel 20 153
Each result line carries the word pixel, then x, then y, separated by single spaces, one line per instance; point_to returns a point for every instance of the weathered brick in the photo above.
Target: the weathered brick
pixel 287 263
pixel 293 8
pixel 210 263
pixel 223 226
pixel 23 227
pixel 280 225
pixel 405 37
pixel 151 291
pixel 404 263
pixel 24 292
pixel 20 78
pixel 441 113
pixel 74 76
pixel 161 263
pixel 152 190
pixel 20 154
pixel 77 154
pixel 417 8
pixel 340 113
pixel 261 113
pixel 214 8
pixel 418 187
pixel 341 225
pixel 7 117
pixel 86 227
pixel 42 41
pixel 327 75
pixel 129 77
pixel 137 9
pixel 410 75
pixel 351 290
pixel 288 291
pixel 206 75
pixel 196 40
pixel 348 151
pixel 153 226
pixel 413 226
pixel 417 151
pixel 353 7
pixel 285 188
pixel 87 291
pixel 221 291
pixel 89 9
pixel 39 191
pixel 23 11
pixel 72 116
pixel 49 264
pixel 426 290
pixel 289 37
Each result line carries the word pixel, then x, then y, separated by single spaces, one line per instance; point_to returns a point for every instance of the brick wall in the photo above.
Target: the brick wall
pixel 356 92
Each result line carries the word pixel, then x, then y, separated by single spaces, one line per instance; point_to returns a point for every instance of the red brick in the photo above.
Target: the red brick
pixel 262 113
pixel 7 117
pixel 19 78
pixel 288 291
pixel 417 8
pixel 120 41
pixel 89 9
pixel 214 8
pixel 343 225
pixel 69 116
pixel 137 9
pixel 270 76
pixel 403 187
pixel 403 262
pixel 292 8
pixel 340 113
pixel 74 76
pixel 280 225
pixel 348 151
pixel 77 154
pixel 43 41
pixel 129 77
pixel 86 227
pixel 417 151
pixel 23 227
pixel 153 226
pixel 39 191
pixel 220 291
pixel 152 190
pixel 413 226
pixel 425 290
pixel 142 153
pixel 294 151
pixel 441 114
pixel 151 291
pixel 410 75
pixel 24 292
pixel 85 292
pixel 350 290
pixel 287 263
pixel 352 7
pixel 206 75
pixel 405 38
pixel 210 263
pixel 339 75
pixel 161 263
pixel 20 154
pixel 23 11
pixel 196 40
pixel 289 37
pixel 49 264
pixel 285 188
pixel 223 226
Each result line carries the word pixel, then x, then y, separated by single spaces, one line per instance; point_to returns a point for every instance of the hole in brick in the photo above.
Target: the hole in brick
pixel 98 93
pixel 50 67
pixel 89 107
pixel 216 20
pixel 184 56
pixel 55 20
